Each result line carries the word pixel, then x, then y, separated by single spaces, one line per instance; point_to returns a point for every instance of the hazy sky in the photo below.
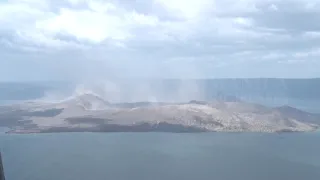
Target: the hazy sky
pixel 83 39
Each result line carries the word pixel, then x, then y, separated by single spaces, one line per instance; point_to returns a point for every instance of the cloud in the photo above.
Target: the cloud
pixel 159 38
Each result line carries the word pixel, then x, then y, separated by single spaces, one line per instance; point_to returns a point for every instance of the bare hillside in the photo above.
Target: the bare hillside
pixel 91 113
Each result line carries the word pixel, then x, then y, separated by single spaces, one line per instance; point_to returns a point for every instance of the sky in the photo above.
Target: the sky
pixel 97 39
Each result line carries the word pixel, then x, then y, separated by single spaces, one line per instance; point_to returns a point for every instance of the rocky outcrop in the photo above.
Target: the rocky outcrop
pixel 92 113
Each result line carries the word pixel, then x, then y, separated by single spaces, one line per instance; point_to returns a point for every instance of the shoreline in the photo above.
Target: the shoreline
pixel 185 131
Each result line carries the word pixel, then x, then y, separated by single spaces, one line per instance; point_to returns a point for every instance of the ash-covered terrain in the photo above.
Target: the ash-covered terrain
pixel 89 112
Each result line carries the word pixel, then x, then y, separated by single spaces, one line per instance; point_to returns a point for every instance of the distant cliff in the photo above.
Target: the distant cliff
pixel 211 88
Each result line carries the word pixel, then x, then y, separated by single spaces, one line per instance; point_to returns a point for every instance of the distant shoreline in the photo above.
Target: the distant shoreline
pixel 186 131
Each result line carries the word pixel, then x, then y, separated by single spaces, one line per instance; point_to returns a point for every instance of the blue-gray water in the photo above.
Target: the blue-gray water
pixel 161 156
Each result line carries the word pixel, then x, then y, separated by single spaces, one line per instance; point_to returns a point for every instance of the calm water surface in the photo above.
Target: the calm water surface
pixel 163 156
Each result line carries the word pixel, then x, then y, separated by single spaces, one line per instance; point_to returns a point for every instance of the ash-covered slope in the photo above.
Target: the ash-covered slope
pixel 89 112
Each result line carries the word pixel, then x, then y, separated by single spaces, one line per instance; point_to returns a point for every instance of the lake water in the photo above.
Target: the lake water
pixel 161 156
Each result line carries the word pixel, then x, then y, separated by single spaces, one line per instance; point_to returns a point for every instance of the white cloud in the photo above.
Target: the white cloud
pixel 243 21
pixel 100 21
pixel 187 9
pixel 309 53
pixel 142 19
pixel 84 25
pixel 204 37
pixel 273 7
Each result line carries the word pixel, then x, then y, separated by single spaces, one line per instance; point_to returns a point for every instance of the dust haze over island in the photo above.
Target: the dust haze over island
pixel 87 110
pixel 157 65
